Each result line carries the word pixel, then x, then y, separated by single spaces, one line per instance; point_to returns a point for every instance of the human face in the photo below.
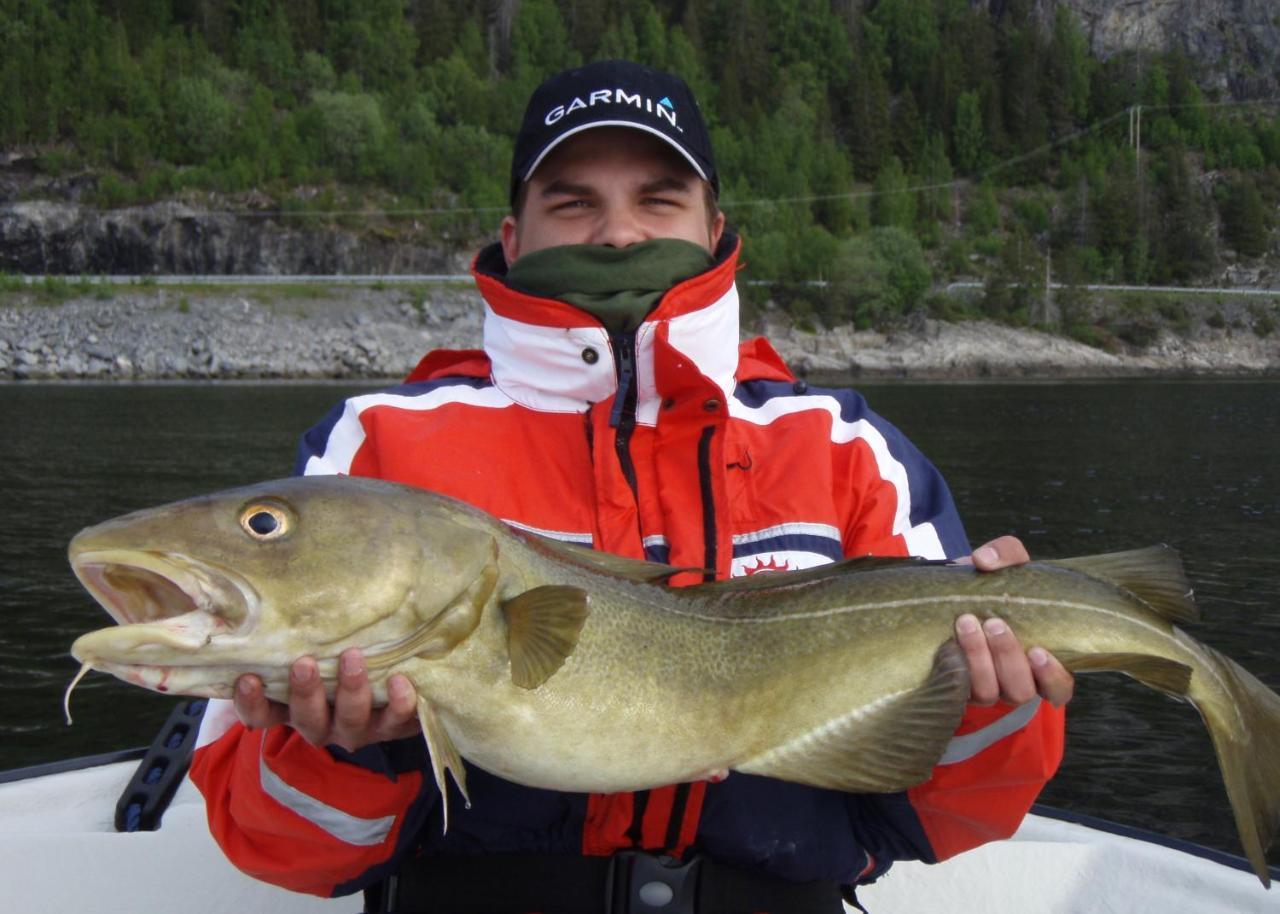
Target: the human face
pixel 611 186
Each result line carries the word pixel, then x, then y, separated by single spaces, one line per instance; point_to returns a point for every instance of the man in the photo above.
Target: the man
pixel 613 406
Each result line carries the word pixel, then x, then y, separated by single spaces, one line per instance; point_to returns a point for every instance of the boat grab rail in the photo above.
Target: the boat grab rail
pixel 163 766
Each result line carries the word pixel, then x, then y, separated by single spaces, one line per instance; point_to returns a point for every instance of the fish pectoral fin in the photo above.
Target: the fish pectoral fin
pixel 889 745
pixel 1159 673
pixel 444 757
pixel 543 625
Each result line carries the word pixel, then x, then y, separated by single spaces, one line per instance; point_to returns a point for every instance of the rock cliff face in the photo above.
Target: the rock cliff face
pixel 1235 44
pixel 170 237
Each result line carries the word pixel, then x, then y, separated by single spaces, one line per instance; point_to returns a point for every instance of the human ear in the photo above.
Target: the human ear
pixel 717 230
pixel 510 239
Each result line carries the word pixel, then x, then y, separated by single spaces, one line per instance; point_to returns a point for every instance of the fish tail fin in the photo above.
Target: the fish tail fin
pixel 1243 717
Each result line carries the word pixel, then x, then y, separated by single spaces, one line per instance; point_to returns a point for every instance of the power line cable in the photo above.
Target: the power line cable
pixel 727 204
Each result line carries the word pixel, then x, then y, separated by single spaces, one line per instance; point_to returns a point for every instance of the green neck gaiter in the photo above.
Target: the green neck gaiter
pixel 617 286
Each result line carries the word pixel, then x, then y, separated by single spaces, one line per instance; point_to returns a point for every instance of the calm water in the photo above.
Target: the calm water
pixel 1071 468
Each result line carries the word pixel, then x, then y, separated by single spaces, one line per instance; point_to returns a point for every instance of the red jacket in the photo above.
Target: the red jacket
pixel 680 446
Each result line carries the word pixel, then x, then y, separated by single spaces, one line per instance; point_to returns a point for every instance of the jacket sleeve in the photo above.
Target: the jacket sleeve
pixel 1000 757
pixel 893 500
pixel 308 819
pixel 313 820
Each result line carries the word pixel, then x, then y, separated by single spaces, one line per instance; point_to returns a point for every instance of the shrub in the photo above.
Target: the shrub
pixel 877 276
pixel 346 131
pixel 1264 323
pixel 1140 332
pixel 200 119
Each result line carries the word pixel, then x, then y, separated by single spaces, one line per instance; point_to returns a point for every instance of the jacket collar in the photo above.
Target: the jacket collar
pixel 548 355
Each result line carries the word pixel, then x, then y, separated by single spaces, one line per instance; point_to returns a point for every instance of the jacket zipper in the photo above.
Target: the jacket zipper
pixel 623 415
pixel 622 418
pixel 710 549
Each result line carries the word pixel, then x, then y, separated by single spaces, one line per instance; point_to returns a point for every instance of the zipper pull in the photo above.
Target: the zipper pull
pixel 624 351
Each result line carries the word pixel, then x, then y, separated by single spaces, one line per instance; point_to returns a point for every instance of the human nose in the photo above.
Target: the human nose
pixel 619 227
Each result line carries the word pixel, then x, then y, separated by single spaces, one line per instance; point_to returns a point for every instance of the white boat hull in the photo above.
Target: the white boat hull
pixel 59 852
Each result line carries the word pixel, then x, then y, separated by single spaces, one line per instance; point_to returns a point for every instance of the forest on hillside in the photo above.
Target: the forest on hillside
pixel 883 147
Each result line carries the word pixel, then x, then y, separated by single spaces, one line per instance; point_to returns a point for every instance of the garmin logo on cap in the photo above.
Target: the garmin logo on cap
pixel 662 108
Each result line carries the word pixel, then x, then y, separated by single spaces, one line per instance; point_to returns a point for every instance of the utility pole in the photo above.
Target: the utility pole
pixel 1135 140
pixel 1048 285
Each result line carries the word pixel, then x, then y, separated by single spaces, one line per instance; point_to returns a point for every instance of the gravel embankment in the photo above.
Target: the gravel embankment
pixel 163 333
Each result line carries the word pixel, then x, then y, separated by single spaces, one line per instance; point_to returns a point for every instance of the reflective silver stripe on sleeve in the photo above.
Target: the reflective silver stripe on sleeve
pixel 339 824
pixel 962 748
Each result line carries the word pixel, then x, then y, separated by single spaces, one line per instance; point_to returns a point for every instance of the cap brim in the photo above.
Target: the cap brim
pixel 698 169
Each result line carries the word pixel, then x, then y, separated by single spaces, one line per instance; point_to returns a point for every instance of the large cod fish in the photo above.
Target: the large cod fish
pixel 558 667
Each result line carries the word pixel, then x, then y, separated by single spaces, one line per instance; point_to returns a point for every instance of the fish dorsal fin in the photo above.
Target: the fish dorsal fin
pixel 1154 575
pixel 617 565
pixel 444 756
pixel 889 745
pixel 818 573
pixel 542 630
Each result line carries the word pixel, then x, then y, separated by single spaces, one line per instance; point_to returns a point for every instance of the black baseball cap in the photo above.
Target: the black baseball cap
pixel 612 93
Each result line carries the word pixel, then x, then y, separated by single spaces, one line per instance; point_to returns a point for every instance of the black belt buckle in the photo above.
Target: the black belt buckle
pixel 640 883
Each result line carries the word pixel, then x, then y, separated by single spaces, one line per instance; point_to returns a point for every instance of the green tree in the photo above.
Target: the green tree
pixel 1116 208
pixel 1017 283
pixel 459 89
pixel 968 137
pixel 982 212
pixel 476 163
pixel 264 43
pixel 1021 89
pixel 540 42
pixel 651 38
pixel 1183 247
pixel 908 129
pixel 200 118
pixel 877 276
pixel 1244 218
pixel 347 132
pixel 747 76
pixel 937 175
pixel 861 111
pixel 893 203
pixel 911 34
pixel 620 40
pixel 539 47
pixel 437 24
pixel 1068 77
pixel 374 41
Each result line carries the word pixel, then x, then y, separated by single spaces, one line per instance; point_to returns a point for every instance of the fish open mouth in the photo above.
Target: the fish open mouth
pixel 168 607
pixel 141 587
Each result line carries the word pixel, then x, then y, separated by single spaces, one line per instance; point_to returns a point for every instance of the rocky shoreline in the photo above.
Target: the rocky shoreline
pixel 289 332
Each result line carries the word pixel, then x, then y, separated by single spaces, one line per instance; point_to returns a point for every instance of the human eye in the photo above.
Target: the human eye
pixel 571 205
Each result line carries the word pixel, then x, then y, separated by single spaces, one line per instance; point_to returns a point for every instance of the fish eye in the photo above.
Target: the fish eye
pixel 264 522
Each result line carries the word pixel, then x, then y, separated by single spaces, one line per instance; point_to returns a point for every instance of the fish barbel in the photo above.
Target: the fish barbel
pixel 558 667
